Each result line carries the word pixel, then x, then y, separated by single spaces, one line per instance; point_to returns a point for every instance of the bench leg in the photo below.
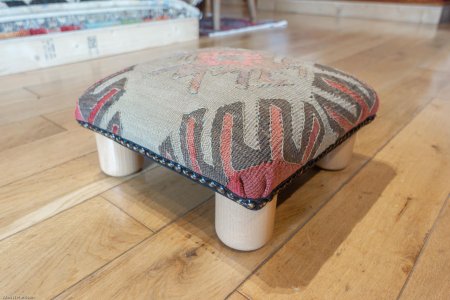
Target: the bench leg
pixel 115 159
pixel 243 229
pixel 340 157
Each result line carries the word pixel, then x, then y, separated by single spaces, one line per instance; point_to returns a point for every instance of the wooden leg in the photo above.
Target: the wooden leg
pixel 340 157
pixel 243 229
pixel 207 8
pixel 252 10
pixel 216 14
pixel 115 159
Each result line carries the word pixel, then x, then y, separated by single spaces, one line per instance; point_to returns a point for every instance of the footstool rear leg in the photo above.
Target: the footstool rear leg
pixel 115 159
pixel 340 157
pixel 241 228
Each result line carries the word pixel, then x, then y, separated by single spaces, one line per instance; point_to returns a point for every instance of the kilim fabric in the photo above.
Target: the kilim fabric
pixel 242 122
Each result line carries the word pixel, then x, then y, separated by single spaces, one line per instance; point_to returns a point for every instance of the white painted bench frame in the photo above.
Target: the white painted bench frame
pixel 236 226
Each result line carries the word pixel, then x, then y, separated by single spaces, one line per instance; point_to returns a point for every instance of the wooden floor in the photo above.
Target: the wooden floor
pixel 378 230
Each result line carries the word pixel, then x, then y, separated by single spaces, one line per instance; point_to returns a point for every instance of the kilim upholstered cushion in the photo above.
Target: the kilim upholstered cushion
pixel 241 122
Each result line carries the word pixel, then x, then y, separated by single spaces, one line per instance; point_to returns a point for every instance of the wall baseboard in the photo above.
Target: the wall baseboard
pixel 400 12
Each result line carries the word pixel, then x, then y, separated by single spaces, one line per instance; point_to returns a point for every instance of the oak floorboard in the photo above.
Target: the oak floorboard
pixel 71 87
pixel 20 80
pixel 441 47
pixel 445 92
pixel 347 251
pixel 42 195
pixel 158 197
pixel 411 94
pixel 45 259
pixel 407 64
pixel 72 80
pixel 25 110
pixel 188 252
pixel 237 296
pixel 26 131
pixel 430 278
pixel 25 160
pixel 341 47
pixel 17 95
pixel 64 118
pixel 296 208
pixel 385 65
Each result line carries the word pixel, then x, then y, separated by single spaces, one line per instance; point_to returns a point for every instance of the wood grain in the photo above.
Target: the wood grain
pixel 237 296
pixel 408 66
pixel 313 191
pixel 344 46
pixel 24 110
pixel 417 13
pixel 388 63
pixel 190 247
pixel 42 195
pixel 16 95
pixel 26 131
pixel 64 118
pixel 156 198
pixel 347 251
pixel 22 161
pixel 412 93
pixel 76 85
pixel 431 276
pixel 49 257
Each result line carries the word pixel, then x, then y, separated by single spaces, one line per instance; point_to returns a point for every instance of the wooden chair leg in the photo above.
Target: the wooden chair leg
pixel 207 8
pixel 252 10
pixel 216 14
pixel 115 159
pixel 243 229
pixel 340 157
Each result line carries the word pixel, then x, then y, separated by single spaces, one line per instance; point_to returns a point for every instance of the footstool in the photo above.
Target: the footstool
pixel 243 123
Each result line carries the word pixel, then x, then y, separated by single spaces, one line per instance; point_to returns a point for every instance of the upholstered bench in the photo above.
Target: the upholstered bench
pixel 240 122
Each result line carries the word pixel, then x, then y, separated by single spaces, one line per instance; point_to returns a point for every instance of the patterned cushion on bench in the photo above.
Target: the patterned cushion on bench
pixel 241 122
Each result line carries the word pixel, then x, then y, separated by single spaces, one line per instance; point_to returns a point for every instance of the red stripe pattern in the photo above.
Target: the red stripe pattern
pixel 244 120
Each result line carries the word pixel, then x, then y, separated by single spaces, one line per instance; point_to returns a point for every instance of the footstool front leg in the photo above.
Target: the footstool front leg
pixel 241 228
pixel 340 157
pixel 115 159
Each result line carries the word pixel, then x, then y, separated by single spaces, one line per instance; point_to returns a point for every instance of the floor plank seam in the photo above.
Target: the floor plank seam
pixel 424 246
pixel 296 230
pixel 102 266
pixel 361 51
pixel 96 195
pixel 32 92
pixel 185 213
pixel 54 123
pixel 130 249
pixel 44 170
pixel 118 207
pixel 170 248
pixel 240 293
pixel 329 199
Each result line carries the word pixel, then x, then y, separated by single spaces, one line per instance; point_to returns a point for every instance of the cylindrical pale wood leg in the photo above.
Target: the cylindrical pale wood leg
pixel 115 159
pixel 243 229
pixel 340 157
